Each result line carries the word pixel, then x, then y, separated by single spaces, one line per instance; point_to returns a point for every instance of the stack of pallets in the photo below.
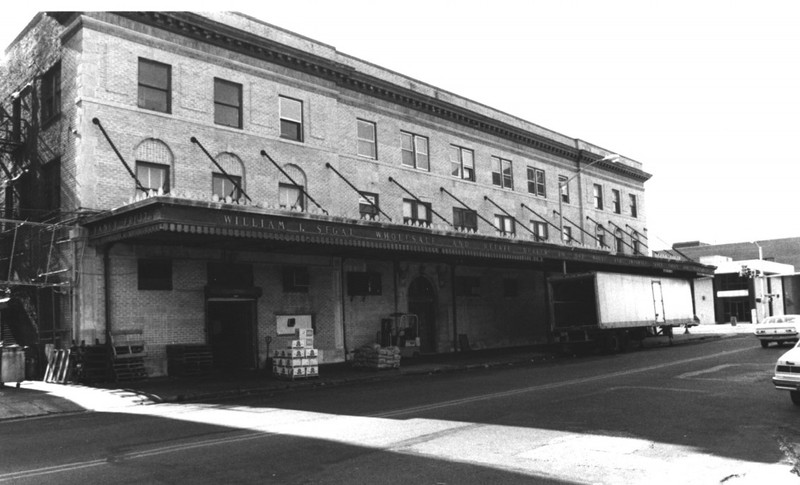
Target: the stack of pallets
pixel 127 355
pixel 189 360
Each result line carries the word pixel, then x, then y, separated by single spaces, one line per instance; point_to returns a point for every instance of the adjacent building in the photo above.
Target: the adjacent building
pixel 213 179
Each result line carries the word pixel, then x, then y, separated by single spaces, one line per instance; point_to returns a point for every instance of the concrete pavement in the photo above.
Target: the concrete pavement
pixel 37 398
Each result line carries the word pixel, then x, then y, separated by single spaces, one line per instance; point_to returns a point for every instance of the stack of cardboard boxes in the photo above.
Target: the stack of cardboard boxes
pixel 299 360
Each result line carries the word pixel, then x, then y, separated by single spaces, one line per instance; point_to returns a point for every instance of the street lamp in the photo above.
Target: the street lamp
pixel 613 158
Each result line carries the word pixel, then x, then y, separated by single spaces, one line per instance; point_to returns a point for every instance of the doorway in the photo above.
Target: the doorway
pixel 231 333
pixel 422 302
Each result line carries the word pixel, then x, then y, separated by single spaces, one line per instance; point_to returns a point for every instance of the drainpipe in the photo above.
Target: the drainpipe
pixel 344 308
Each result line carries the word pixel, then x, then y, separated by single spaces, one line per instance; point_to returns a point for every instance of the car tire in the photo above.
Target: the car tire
pixel 764 344
pixel 795 395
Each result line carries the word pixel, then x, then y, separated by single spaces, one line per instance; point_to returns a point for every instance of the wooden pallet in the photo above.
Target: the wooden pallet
pixel 127 355
pixel 189 359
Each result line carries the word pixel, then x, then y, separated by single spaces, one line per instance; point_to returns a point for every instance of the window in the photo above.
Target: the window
pixel 536 184
pixel 539 229
pixel 566 236
pixel 291 197
pixel 468 285
pixel 51 181
pixel 295 279
pixel 154 86
pixel 637 246
pixel 600 235
pixel 153 176
pixel 363 283
pixel 634 210
pixel 154 274
pixel 414 151
pixel 462 163
pixel 51 94
pixel 510 288
pixel 563 183
pixel 367 142
pixel 619 242
pixel 227 103
pixel 502 173
pixel 615 201
pixel 367 210
pixel 222 186
pixel 598 196
pixel 416 212
pixel 291 113
pixel 465 219
pixel 504 224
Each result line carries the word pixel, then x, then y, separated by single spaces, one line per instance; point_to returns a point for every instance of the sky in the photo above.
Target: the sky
pixel 704 93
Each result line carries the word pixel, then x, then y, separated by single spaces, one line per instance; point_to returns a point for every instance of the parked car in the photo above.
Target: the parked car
pixel 778 329
pixel 787 373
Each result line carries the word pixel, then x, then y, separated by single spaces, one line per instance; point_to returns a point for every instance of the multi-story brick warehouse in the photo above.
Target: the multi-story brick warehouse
pixel 221 180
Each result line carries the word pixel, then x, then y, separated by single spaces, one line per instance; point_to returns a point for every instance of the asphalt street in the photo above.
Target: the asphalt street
pixel 702 413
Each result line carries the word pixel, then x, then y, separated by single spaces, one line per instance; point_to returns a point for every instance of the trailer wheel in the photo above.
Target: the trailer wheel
pixel 612 343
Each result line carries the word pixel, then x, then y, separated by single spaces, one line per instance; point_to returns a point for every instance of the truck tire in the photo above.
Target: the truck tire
pixel 795 395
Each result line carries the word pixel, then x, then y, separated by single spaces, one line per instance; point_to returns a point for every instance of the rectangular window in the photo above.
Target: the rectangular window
pixel 637 246
pixel 465 219
pixel 504 224
pixel 620 243
pixel 154 86
pixel 616 203
pixel 291 197
pixel 367 210
pixel 462 163
pixel 600 236
pixel 414 149
pixel 468 285
pixel 223 187
pixel 634 209
pixel 598 196
pixel 367 140
pixel 51 93
pixel 502 174
pixel 364 283
pixel 295 279
pixel 539 229
pixel 153 177
pixel 291 114
pixel 563 183
pixel 536 183
pixel 227 103
pixel 416 212
pixel 154 274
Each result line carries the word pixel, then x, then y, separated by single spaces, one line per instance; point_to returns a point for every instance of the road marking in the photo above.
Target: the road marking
pixel 543 387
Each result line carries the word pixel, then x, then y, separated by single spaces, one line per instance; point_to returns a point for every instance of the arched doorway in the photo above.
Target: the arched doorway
pixel 422 302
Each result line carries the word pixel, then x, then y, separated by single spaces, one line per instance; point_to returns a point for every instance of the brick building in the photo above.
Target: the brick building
pixel 217 180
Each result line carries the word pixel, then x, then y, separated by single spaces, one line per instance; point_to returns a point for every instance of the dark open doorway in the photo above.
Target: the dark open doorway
pixel 422 302
pixel 231 333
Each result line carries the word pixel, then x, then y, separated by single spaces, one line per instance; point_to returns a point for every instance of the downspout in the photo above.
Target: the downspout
pixel 344 308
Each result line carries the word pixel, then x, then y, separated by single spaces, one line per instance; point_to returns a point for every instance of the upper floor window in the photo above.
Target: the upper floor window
pixel 539 229
pixel 154 86
pixel 51 93
pixel 416 212
pixel 152 176
pixel 634 209
pixel 600 236
pixel 502 175
pixel 223 186
pixel 504 224
pixel 536 184
pixel 597 191
pixel 227 103
pixel 415 151
pixel 465 218
pixel 368 205
pixel 619 242
pixel 291 197
pixel 637 246
pixel 462 163
pixel 563 183
pixel 616 203
pixel 367 140
pixel 566 234
pixel 291 114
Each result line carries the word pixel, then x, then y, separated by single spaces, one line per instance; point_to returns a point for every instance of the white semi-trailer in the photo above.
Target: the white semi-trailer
pixel 613 309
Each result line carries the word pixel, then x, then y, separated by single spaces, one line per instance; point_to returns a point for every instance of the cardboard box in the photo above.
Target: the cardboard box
pixel 312 362
pixel 312 371
pixel 302 333
pixel 298 353
pixel 294 363
pixel 311 352
pixel 298 344
pixel 298 371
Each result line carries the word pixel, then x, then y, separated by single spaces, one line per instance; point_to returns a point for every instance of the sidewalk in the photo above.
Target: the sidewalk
pixel 36 398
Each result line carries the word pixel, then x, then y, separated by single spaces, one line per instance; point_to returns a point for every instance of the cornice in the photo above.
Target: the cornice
pixel 203 29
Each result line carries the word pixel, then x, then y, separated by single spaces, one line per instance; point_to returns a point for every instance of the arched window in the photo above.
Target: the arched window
pixel 227 184
pixel 153 166
pixel 291 192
